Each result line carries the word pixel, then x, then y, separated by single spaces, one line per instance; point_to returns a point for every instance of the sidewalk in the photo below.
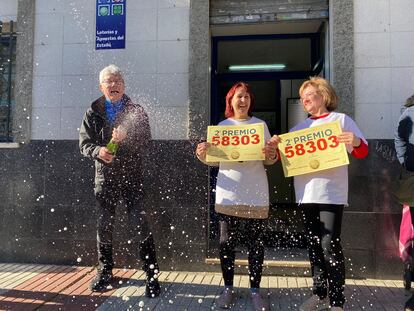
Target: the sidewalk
pixel 49 287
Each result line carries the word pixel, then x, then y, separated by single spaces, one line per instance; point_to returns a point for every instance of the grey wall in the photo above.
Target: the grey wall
pixel 47 207
pixel 342 53
pixel 199 77
pixel 371 222
pixel 22 110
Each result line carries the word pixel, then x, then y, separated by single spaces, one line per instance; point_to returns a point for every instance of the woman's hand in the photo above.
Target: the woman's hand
pixel 119 134
pixel 275 140
pixel 202 150
pixel 350 139
pixel 270 150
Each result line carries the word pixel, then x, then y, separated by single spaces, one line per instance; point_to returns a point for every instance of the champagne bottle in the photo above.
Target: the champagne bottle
pixel 120 134
pixel 112 147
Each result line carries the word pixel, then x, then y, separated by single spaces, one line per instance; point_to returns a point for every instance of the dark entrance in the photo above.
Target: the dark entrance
pixel 274 66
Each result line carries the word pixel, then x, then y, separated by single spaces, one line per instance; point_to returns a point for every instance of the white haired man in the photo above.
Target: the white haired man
pixel 119 177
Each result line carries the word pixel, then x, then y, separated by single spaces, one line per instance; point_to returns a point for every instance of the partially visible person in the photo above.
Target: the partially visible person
pixel 119 176
pixel 409 304
pixel 404 136
pixel 404 147
pixel 242 200
pixel 323 195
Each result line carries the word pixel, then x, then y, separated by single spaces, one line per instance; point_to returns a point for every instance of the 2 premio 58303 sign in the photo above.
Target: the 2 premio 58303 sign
pixel 312 149
pixel 235 143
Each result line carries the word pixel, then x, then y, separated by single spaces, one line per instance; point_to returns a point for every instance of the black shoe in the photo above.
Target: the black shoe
pixel 152 288
pixel 101 281
pixel 409 305
pixel 408 276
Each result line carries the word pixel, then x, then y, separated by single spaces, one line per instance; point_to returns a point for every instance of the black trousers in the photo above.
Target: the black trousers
pixel 412 221
pixel 248 231
pixel 323 228
pixel 139 232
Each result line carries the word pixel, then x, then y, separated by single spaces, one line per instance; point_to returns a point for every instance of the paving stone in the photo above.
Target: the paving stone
pixel 51 287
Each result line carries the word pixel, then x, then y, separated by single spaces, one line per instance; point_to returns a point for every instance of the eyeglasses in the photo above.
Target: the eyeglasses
pixel 115 82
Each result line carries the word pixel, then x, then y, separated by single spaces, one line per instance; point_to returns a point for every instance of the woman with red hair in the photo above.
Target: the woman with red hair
pixel 242 200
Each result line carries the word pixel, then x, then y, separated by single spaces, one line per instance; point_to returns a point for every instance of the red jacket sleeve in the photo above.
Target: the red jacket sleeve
pixel 361 151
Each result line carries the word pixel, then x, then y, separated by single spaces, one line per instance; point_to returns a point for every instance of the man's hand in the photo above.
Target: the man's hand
pixel 119 134
pixel 105 155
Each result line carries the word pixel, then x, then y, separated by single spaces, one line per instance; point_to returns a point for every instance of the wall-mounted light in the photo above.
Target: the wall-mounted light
pixel 256 67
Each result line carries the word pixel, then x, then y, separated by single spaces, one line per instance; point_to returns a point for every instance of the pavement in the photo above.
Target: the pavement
pixel 52 287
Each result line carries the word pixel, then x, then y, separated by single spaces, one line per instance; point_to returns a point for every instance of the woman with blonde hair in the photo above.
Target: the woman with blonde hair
pixel 323 195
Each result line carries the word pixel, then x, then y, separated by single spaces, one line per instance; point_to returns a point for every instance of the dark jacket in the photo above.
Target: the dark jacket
pixel 404 139
pixel 96 132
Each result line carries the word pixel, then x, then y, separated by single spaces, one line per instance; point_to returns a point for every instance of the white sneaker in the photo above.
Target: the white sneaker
pixel 337 309
pixel 314 304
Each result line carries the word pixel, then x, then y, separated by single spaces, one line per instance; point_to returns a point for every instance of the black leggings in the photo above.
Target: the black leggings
pixel 412 214
pixel 248 231
pixel 323 229
pixel 412 222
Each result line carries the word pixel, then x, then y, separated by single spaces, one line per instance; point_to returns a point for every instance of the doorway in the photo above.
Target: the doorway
pixel 274 65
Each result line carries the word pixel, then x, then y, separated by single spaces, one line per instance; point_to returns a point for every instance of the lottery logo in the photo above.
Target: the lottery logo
pixel 235 154
pixel 314 164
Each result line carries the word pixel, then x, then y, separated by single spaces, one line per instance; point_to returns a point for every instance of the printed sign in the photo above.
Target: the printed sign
pixel 110 24
pixel 235 143
pixel 312 149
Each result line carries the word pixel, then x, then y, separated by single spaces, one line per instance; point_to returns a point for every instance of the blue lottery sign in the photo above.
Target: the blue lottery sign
pixel 110 24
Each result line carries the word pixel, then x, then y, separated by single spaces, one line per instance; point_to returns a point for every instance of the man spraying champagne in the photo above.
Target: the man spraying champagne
pixel 115 133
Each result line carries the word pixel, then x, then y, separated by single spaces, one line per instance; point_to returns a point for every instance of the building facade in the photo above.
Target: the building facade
pixel 177 65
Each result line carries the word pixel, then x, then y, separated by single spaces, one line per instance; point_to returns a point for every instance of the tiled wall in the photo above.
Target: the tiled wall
pixel 66 65
pixel 384 63
pixel 48 214
pixel 156 64
pixel 8 10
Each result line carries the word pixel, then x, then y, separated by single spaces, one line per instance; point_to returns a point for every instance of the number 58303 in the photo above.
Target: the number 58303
pixel 311 146
pixel 235 140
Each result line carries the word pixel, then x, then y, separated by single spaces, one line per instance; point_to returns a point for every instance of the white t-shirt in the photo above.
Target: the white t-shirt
pixel 328 186
pixel 243 183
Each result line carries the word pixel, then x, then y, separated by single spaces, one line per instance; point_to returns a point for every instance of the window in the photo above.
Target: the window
pixel 7 78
